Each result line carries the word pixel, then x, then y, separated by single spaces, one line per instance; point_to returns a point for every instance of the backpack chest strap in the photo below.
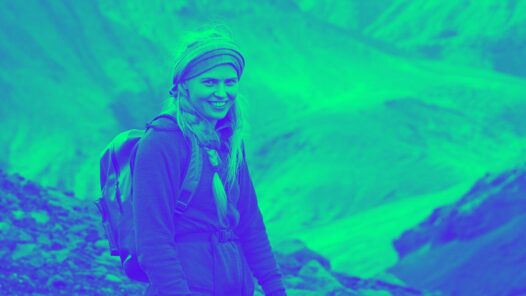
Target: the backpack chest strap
pixel 219 236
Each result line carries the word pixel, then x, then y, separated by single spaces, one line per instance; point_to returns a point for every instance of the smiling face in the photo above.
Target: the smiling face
pixel 213 93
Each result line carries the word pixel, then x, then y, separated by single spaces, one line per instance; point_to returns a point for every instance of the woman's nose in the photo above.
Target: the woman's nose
pixel 220 90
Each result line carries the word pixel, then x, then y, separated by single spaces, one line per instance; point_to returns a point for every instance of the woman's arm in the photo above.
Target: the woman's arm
pixel 254 239
pixel 155 182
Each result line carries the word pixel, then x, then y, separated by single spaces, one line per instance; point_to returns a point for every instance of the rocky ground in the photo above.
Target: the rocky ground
pixel 53 244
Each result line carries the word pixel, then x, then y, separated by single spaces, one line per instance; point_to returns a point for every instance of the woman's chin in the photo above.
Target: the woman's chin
pixel 215 114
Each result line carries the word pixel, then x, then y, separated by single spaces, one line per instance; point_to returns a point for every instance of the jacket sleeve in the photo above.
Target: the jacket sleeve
pixel 155 183
pixel 254 240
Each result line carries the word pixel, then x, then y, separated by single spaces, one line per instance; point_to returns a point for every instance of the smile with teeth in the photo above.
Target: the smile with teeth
pixel 217 103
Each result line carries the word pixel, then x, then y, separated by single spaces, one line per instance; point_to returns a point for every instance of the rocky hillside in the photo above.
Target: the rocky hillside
pixel 52 244
pixel 474 246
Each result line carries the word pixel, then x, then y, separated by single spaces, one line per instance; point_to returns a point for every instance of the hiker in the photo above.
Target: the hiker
pixel 220 240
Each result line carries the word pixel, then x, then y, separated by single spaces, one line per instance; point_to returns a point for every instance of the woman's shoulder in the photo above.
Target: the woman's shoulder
pixel 163 135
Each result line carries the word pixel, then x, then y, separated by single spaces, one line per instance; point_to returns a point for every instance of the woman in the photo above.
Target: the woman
pixel 215 246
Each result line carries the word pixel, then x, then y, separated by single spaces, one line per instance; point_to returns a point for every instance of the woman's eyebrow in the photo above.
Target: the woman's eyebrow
pixel 216 79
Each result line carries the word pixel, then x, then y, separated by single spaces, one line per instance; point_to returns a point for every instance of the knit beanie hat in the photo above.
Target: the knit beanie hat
pixel 205 54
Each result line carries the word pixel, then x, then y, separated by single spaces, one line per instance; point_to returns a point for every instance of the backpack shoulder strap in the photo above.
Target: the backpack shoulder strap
pixel 173 128
pixel 193 171
pixel 191 179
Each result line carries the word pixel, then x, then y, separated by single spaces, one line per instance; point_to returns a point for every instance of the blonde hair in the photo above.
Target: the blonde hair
pixel 192 128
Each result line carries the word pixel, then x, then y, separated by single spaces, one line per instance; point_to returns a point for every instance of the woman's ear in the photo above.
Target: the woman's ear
pixel 183 88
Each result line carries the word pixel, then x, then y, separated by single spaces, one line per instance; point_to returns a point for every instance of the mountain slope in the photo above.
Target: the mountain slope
pixel 484 33
pixel 478 238
pixel 488 34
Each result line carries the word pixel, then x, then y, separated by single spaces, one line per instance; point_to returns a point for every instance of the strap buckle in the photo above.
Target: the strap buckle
pixel 180 207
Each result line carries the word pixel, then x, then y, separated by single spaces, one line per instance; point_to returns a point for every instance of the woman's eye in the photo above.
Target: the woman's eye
pixel 230 82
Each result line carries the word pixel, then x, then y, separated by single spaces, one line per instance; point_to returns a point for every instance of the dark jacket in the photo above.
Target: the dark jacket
pixel 174 250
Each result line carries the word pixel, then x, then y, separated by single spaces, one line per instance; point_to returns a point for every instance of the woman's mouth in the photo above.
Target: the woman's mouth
pixel 218 104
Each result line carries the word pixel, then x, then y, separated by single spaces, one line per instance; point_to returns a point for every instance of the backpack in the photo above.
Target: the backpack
pixel 115 205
